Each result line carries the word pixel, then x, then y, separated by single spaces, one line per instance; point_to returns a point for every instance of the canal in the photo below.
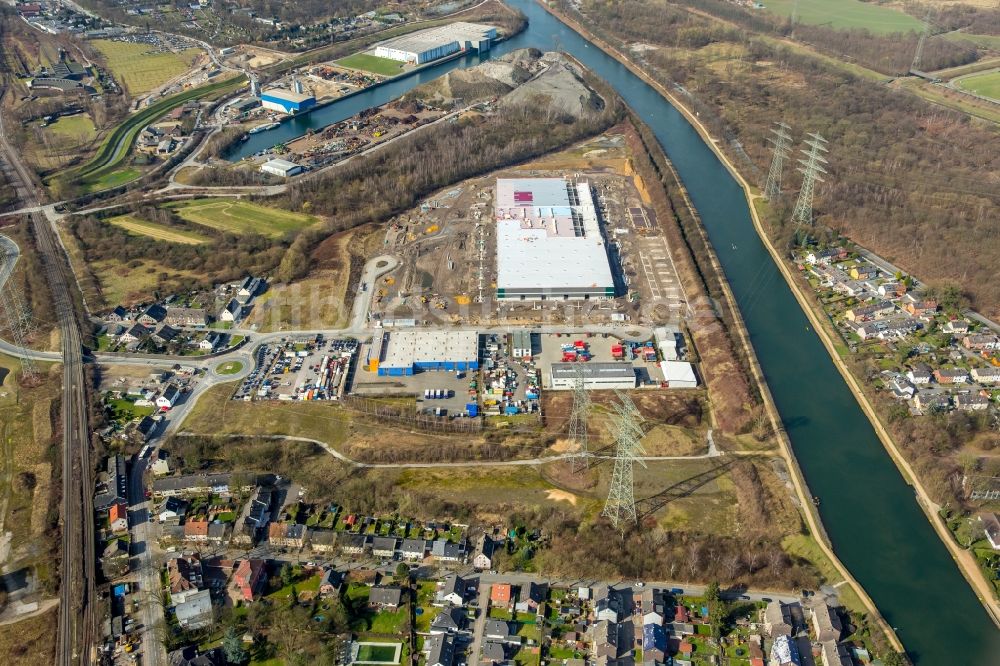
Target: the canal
pixel 870 513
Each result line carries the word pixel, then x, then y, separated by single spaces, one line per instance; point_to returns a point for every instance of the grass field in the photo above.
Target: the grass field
pixel 371 63
pixel 847 14
pixel 78 128
pixel 229 368
pixel 385 654
pixel 140 70
pixel 241 217
pixel 113 179
pixel 157 231
pixel 986 84
pixel 122 284
pixel 31 641
pixel 983 41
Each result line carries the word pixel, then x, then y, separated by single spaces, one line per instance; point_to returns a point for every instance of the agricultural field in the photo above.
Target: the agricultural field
pixel 158 231
pixel 372 63
pixel 847 14
pixel 241 217
pixel 141 70
pixel 986 84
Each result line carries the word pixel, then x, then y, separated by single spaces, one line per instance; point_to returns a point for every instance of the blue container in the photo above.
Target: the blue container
pixel 472 408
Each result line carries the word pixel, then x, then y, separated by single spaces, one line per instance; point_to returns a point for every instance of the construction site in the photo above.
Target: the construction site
pixel 466 261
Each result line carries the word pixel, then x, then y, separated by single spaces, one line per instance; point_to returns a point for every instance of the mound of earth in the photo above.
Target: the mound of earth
pixel 549 80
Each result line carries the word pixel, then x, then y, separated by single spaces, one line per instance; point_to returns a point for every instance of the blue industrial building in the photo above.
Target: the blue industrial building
pixel 286 101
pixel 403 353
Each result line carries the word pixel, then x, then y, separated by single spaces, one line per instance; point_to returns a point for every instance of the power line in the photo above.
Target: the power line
pixel 620 506
pixel 811 169
pixel 781 141
pixel 18 321
pixel 578 420
pixel 923 39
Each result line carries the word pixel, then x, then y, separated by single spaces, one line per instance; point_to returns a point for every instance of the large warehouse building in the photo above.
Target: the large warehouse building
pixel 549 241
pixel 401 353
pixel 428 45
pixel 286 101
pixel 596 376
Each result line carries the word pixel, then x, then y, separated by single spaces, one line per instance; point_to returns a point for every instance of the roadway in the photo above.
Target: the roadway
pixel 75 637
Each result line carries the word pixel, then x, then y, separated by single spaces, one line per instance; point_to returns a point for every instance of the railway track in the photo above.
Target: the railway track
pixel 75 639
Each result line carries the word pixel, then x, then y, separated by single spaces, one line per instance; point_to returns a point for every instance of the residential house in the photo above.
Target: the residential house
pixel 165 334
pixel 194 611
pixel 991 526
pixel 611 604
pixel 449 621
pixel 951 375
pixel 114 559
pixel 497 630
pixel 158 465
pixel 834 654
pixel 353 544
pixel 168 398
pixel 918 306
pixel 249 288
pixel 190 656
pixel 654 642
pixel 134 334
pixel 970 402
pixel 323 541
pixel 112 484
pixel 452 591
pixel 249 578
pixel 287 535
pixel 233 311
pixel 604 637
pixel 492 653
pixel 920 374
pixel 826 623
pixel 901 388
pixel 654 600
pixel 186 317
pixel 184 573
pixel 827 256
pixel 153 315
pixel 447 551
pixel 500 595
pixel 384 546
pixel 118 315
pixel 483 556
pixel 214 340
pixel 196 484
pixel 413 549
pixel 928 402
pixel 863 272
pixel 440 650
pixel 196 530
pixel 777 619
pixel 217 533
pixel 530 597
pixel 981 342
pixel 330 582
pixel 785 652
pixel 869 312
pixel 145 427
pixel 385 596
pixel 990 375
pixel 251 526
pixel 118 517
pixel 891 289
pixel 173 510
pixel 957 326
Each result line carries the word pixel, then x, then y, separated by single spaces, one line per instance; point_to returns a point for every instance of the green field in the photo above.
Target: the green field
pixel 139 69
pixel 157 231
pixel 241 217
pixel 371 63
pixel 847 14
pixel 986 84
pixel 381 653
pixel 229 368
pixel 79 128
pixel 983 41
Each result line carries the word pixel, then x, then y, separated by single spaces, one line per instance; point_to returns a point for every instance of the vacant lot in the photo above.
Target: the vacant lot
pixel 140 68
pixel 157 231
pixel 30 641
pixel 986 84
pixel 372 63
pixel 847 14
pixel 241 217
pixel 79 128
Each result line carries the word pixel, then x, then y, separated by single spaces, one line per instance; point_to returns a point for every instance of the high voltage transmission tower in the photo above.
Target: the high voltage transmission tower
pixel 781 142
pixel 811 169
pixel 915 65
pixel 17 319
pixel 578 420
pixel 620 506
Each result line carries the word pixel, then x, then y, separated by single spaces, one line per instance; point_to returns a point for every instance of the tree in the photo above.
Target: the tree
pixel 403 571
pixel 895 659
pixel 232 647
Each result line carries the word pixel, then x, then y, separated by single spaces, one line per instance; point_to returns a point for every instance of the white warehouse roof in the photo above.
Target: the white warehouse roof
pixel 432 38
pixel 407 348
pixel 679 372
pixel 286 95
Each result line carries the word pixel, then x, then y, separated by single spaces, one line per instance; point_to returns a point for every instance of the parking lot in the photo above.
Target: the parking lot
pixel 456 386
pixel 299 369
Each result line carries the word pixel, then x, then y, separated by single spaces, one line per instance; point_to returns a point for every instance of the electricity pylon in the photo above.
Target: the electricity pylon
pixel 578 420
pixel 781 142
pixel 18 321
pixel 923 39
pixel 811 169
pixel 620 506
